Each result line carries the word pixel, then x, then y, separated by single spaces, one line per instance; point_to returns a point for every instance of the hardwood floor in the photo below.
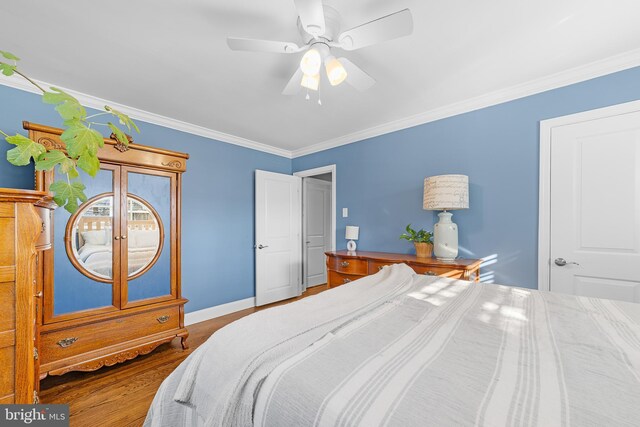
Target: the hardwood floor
pixel 120 395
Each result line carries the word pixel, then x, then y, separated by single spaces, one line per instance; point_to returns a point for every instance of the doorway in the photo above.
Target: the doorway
pixel 589 241
pixel 318 222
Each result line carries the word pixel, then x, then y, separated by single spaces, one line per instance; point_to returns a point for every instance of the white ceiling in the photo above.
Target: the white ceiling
pixel 170 57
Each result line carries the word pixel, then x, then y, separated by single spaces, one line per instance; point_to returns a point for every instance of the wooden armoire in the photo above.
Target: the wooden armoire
pixel 111 283
pixel 24 234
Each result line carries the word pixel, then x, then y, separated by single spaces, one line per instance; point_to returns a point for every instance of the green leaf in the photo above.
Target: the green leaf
pixel 80 139
pixel 9 55
pixel 48 160
pixel 57 96
pixel 120 135
pixel 124 119
pixel 71 111
pixel 7 69
pixel 67 106
pixel 24 151
pixel 88 163
pixel 68 166
pixel 67 194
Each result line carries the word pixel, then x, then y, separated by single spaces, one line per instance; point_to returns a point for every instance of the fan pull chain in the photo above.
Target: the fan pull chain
pixel 307 97
pixel 319 100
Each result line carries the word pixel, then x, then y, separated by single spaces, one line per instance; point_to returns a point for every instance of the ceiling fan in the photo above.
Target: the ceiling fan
pixel 319 26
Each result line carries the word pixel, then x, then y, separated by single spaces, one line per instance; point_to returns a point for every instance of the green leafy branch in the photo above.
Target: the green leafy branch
pixel 420 236
pixel 81 140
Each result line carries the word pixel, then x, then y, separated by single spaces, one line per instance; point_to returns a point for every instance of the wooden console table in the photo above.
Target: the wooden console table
pixel 344 267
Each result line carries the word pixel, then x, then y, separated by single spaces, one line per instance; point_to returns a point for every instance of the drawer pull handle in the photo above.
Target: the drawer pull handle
pixel 430 273
pixel 345 263
pixel 38 295
pixel 67 342
pixel 346 280
pixel 163 319
pixel 44 227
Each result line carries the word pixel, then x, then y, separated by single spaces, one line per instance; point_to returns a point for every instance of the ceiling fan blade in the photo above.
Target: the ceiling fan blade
pixel 254 45
pixel 293 86
pixel 388 27
pixel 356 77
pixel 311 15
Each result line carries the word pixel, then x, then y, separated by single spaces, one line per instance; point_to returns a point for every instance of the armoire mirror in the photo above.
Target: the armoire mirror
pixel 91 236
pixel 90 247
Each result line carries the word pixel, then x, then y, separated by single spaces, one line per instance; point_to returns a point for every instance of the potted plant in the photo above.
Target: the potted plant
pixel 81 139
pixel 422 240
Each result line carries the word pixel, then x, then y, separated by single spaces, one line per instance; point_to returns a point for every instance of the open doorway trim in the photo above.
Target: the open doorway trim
pixel 319 171
pixel 544 213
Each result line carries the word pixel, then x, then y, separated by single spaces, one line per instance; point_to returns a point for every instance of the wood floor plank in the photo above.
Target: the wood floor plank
pixel 120 395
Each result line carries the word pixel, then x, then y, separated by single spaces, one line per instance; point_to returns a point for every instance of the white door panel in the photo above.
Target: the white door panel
pixel 595 207
pixel 278 234
pixel 316 229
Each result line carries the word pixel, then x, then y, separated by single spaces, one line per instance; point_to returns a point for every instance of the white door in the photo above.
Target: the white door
pixel 595 208
pixel 316 229
pixel 278 236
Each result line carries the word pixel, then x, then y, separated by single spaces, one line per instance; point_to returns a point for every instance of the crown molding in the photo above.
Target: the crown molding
pixel 90 101
pixel 579 74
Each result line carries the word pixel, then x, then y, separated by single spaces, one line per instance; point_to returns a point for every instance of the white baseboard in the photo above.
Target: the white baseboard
pixel 218 310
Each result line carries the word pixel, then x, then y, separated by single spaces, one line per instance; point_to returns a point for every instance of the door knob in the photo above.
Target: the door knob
pixel 561 262
pixel 262 247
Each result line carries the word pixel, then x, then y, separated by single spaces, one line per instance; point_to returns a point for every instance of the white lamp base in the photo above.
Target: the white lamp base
pixel 351 246
pixel 445 238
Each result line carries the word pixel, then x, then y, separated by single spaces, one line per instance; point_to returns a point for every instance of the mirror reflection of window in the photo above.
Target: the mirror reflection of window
pixel 144 235
pixel 92 237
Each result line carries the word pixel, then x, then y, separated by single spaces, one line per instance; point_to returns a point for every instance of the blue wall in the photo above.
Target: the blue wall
pixel 380 179
pixel 218 199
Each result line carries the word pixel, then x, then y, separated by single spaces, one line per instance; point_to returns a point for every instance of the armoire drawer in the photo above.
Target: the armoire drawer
pixel 57 345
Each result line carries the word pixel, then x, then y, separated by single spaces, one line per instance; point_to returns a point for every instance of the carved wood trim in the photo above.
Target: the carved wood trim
pixel 55 132
pixel 112 359
pixel 120 146
pixel 51 144
pixel 173 164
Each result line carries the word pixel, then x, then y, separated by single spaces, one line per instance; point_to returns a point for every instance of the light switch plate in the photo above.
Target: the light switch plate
pixel 345 212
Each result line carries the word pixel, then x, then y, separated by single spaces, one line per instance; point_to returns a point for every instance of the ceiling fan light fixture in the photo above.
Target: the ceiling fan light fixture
pixel 311 62
pixel 335 71
pixel 310 81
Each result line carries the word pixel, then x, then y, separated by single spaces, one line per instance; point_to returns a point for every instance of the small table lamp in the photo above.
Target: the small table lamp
pixel 351 235
pixel 446 192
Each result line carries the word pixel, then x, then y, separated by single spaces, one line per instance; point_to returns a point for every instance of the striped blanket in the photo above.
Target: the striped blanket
pixel 412 350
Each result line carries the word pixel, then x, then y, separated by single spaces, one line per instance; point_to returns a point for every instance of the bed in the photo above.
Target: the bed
pixel 95 250
pixel 402 349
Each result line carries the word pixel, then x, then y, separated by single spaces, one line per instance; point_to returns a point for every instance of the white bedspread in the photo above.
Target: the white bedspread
pixel 407 350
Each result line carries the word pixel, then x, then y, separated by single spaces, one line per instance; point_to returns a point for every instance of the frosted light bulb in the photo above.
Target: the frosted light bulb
pixel 310 81
pixel 311 62
pixel 335 71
